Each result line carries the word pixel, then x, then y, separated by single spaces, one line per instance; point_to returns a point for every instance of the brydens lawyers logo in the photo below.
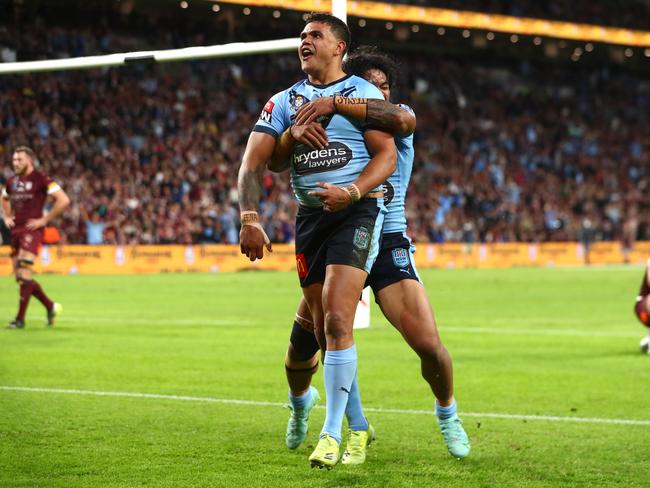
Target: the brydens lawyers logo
pixel 267 112
pixel 301 265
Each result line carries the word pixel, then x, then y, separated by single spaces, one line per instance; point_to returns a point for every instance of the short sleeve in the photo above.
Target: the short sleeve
pixel 403 106
pixel 273 119
pixel 368 90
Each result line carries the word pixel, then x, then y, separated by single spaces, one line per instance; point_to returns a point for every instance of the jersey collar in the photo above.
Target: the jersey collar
pixel 329 84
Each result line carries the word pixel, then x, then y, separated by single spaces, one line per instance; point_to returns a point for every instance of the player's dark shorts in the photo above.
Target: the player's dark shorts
pixel 394 263
pixel 27 240
pixel 350 237
pixel 641 310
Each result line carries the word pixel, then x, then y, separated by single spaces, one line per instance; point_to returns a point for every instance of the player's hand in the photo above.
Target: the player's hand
pixel 253 240
pixel 334 197
pixel 311 135
pixel 316 108
pixel 35 224
pixel 9 222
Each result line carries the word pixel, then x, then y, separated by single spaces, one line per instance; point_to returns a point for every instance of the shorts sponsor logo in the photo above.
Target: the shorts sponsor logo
pixel 361 238
pixel 400 257
pixel 389 192
pixel 301 265
pixel 335 156
pixel 267 112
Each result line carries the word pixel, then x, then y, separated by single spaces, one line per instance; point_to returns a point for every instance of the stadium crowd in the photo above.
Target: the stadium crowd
pixel 504 150
pixel 632 14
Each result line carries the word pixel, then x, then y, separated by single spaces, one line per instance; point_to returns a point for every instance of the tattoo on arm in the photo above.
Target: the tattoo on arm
pixel 249 185
pixel 384 115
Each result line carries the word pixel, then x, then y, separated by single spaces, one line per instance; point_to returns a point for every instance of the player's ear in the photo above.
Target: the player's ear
pixel 341 47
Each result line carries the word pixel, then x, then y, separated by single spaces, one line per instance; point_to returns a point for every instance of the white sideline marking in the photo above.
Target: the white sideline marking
pixel 232 401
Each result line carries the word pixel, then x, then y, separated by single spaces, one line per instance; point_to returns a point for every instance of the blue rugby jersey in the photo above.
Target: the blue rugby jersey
pixel 396 186
pixel 341 162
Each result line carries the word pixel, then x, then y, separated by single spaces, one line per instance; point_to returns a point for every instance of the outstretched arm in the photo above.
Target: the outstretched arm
pixel 376 113
pixel 252 238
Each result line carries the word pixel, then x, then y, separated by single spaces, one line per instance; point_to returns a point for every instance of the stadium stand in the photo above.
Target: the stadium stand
pixel 506 149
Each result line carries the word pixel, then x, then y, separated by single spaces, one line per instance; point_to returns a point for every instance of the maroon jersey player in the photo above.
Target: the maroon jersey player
pixel 23 199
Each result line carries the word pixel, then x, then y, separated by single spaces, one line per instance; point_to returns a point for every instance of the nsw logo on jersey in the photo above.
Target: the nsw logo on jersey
pixel 334 156
pixel 267 112
pixel 400 257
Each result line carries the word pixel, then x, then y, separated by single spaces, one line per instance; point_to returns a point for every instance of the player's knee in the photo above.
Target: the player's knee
pixel 304 345
pixel 337 325
pixel 428 346
pixel 24 270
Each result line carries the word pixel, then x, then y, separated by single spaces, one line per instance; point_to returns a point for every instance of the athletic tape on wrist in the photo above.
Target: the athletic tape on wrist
pixel 249 217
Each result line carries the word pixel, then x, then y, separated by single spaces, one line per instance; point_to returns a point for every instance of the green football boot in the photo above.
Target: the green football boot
pixel 358 442
pixel 455 436
pixel 326 454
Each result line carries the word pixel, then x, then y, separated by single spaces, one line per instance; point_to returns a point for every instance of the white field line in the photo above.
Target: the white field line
pixel 444 330
pixel 156 321
pixel 232 401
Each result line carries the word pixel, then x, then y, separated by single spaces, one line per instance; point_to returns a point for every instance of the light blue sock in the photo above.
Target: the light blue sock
pixel 339 368
pixel 354 411
pixel 299 402
pixel 444 413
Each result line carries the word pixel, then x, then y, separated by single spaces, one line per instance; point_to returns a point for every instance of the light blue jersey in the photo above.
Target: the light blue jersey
pixel 396 186
pixel 341 162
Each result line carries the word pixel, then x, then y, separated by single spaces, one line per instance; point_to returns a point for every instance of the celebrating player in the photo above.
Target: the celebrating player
pixel 22 205
pixel 393 278
pixel 341 210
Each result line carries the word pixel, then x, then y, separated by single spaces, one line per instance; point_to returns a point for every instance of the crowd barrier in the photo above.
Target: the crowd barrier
pixel 108 260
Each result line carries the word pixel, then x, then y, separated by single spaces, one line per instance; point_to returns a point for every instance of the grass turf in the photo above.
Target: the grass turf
pixel 549 342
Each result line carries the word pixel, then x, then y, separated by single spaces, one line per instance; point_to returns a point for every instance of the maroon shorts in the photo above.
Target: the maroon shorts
pixel 27 240
pixel 641 310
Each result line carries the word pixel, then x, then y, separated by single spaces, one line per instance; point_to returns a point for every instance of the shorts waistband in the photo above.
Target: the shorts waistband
pixel 374 194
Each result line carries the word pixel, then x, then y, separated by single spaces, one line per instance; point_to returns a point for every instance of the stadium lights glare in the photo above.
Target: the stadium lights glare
pixel 466 20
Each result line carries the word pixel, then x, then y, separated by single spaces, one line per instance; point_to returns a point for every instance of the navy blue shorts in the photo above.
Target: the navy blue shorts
pixel 350 237
pixel 394 263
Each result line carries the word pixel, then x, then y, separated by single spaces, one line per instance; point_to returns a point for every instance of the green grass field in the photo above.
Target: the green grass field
pixel 558 343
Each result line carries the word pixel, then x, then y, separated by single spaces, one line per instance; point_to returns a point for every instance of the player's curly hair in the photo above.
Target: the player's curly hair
pixel 338 27
pixel 365 58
